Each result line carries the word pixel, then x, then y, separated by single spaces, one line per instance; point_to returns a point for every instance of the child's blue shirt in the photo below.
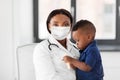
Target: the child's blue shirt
pixel 91 56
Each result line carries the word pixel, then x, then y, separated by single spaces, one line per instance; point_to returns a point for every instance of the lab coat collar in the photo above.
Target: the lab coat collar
pixel 54 41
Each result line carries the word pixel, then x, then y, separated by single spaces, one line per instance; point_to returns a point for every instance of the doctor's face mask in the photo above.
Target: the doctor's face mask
pixel 60 26
pixel 60 32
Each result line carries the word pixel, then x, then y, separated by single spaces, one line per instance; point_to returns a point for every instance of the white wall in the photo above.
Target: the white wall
pixel 23 21
pixel 16 25
pixel 6 37
pixel 23 26
pixel 111 65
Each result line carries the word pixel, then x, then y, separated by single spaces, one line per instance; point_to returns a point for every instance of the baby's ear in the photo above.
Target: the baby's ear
pixel 90 36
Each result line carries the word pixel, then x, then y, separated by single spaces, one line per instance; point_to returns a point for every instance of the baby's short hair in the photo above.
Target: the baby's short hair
pixel 86 26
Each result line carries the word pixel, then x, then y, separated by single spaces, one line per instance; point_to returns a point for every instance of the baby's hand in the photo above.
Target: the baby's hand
pixel 67 59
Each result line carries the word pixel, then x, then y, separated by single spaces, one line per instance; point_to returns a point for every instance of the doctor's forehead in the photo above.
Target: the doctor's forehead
pixel 60 18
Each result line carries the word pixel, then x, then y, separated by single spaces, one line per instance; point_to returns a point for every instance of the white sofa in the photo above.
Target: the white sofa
pixel 25 62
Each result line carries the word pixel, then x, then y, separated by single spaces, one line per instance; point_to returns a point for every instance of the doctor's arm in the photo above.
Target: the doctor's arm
pixel 44 67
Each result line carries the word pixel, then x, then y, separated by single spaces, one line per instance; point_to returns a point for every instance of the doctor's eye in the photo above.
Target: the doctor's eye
pixel 55 24
pixel 66 24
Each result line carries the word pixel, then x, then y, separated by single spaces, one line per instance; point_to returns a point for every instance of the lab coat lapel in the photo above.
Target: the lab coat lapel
pixel 66 51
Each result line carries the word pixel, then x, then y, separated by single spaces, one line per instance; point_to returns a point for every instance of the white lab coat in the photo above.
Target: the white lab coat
pixel 49 64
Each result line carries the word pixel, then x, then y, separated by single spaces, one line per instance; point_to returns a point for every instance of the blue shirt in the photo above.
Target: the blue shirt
pixel 91 56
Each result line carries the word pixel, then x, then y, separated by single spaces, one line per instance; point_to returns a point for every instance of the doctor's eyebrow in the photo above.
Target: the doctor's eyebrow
pixel 54 22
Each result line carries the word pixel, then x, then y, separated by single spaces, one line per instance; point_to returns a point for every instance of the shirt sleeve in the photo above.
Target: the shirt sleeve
pixel 44 66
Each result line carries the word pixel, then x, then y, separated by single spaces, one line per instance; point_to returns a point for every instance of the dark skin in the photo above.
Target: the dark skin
pixel 63 43
pixel 60 20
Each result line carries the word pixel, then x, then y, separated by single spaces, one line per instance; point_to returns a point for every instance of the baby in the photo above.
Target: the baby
pixel 89 66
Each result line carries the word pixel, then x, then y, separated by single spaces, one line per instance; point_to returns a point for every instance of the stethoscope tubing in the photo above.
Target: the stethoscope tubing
pixel 51 44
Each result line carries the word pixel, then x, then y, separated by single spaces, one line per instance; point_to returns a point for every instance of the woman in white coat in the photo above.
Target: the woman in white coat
pixel 48 54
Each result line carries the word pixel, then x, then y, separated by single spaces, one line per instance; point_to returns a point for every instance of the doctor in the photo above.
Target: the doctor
pixel 48 54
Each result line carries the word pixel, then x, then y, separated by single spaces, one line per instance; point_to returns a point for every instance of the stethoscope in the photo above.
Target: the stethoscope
pixel 51 44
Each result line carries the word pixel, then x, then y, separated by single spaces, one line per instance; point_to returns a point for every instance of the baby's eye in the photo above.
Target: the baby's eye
pixel 77 40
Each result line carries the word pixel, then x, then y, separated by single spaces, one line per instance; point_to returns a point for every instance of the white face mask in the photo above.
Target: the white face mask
pixel 60 32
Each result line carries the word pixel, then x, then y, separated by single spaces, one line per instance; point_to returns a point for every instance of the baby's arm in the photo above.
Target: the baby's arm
pixel 76 63
pixel 70 66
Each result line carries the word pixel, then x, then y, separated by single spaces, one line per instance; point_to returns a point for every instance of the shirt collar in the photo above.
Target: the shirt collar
pixel 90 45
